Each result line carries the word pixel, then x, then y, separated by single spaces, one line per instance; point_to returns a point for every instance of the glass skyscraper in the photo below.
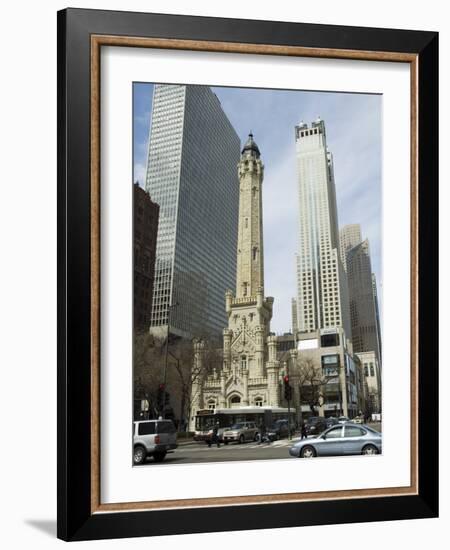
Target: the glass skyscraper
pixel 192 174
pixel 364 315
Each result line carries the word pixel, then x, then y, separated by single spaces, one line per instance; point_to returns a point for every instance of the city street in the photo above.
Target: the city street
pixel 194 452
pixel 200 452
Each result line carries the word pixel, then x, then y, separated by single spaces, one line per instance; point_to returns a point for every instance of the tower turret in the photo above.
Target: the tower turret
pixel 250 261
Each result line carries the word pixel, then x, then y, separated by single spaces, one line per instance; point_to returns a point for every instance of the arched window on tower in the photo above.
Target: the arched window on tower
pixel 258 401
pixel 235 401
pixel 255 253
pixel 243 361
pixel 211 404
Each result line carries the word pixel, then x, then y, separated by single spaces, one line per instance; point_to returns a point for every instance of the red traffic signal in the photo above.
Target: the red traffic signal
pixel 287 388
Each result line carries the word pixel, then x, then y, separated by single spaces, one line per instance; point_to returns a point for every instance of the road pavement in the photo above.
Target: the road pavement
pixel 200 452
pixel 194 452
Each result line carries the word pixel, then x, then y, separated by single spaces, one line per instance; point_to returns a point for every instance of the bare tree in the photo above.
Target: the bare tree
pixel 182 358
pixel 308 375
pixel 310 381
pixel 148 362
pixel 150 371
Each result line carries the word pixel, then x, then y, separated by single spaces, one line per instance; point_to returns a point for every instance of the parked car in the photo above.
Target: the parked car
pixel 343 419
pixel 315 425
pixel 279 430
pixel 206 435
pixel 153 438
pixel 241 432
pixel 358 419
pixel 342 439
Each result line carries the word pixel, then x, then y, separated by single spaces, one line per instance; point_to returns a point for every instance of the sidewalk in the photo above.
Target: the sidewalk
pixel 183 441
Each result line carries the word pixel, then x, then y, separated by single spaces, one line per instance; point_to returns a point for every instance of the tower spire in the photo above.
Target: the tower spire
pixel 250 259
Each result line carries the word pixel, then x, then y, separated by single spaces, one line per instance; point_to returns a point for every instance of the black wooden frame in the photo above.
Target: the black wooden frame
pixel 75 521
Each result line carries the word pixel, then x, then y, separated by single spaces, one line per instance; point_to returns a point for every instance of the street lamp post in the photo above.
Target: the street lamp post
pixel 169 310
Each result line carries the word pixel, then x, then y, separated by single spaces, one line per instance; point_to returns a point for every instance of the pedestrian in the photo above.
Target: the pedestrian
pixel 261 435
pixel 304 433
pixel 215 435
pixel 209 437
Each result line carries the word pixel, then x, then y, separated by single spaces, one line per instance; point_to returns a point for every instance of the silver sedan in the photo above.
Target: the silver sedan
pixel 343 439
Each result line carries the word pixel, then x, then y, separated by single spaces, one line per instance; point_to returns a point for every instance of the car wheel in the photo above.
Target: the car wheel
pixel 241 439
pixel 139 455
pixel 308 452
pixel 369 450
pixel 159 457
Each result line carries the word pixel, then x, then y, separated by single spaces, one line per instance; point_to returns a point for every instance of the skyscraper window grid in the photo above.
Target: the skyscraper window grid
pixel 320 282
pixel 192 159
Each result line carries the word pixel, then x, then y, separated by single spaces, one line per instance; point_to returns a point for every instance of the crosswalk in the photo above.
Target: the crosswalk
pixel 237 447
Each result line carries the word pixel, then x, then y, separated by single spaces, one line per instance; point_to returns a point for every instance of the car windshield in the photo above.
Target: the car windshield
pixel 237 426
pixel 314 420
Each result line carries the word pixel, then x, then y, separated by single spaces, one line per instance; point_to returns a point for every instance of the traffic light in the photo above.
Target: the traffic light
pixel 287 388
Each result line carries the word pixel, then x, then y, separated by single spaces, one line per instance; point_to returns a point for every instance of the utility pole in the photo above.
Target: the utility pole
pixel 288 397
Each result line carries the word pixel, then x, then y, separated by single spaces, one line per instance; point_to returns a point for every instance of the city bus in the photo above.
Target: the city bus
pixel 264 417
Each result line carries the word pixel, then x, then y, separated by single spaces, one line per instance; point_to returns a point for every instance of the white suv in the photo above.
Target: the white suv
pixel 153 438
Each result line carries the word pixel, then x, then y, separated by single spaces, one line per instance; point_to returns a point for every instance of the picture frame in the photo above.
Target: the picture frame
pixel 81 35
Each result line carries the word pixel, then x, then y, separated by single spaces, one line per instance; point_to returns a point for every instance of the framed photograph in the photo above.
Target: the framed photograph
pixel 247 255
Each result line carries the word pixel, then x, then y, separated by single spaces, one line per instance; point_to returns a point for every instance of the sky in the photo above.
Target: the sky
pixel 353 127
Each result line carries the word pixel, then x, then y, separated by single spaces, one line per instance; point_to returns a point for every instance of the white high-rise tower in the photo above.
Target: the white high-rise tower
pixel 322 299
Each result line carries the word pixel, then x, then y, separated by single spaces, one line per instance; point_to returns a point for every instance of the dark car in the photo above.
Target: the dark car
pixel 279 430
pixel 331 421
pixel 316 425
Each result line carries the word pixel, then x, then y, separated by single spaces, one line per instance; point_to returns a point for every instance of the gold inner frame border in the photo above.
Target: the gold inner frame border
pixel 97 41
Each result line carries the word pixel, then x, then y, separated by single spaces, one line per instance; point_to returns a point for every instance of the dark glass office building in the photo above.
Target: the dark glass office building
pixel 192 175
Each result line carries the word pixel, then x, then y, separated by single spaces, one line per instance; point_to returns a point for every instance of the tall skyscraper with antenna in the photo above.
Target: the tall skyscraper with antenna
pixel 322 301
